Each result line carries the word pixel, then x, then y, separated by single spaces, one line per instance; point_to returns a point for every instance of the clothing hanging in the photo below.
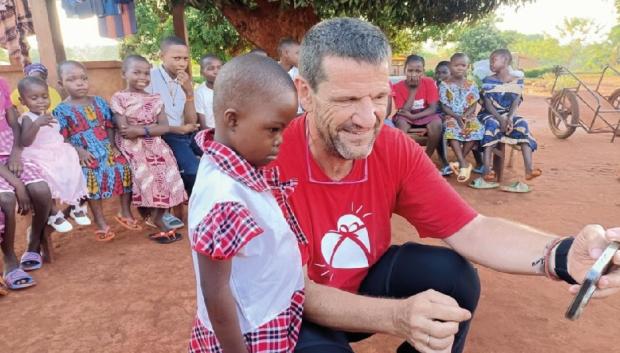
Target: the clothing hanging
pixel 15 26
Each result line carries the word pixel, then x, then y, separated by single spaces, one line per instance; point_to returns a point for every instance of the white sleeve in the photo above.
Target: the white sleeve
pixel 208 112
pixel 199 101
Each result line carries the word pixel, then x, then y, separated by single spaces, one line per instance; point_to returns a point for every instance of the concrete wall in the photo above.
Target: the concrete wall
pixel 104 77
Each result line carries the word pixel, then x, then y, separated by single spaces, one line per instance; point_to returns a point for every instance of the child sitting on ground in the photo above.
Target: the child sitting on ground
pixel 86 122
pixel 141 120
pixel 458 97
pixel 502 96
pixel 246 257
pixel 21 182
pixel 43 144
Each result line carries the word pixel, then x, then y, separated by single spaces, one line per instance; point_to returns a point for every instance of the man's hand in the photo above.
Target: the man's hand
pixel 23 200
pixel 429 321
pixel 587 247
pixel 189 128
pixel 45 120
pixel 185 81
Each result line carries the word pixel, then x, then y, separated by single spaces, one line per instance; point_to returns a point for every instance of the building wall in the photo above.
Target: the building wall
pixel 104 77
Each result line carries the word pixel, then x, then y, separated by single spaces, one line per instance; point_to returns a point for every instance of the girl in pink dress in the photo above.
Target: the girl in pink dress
pixel 44 145
pixel 141 120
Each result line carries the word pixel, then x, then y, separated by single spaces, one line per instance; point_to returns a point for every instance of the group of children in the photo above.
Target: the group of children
pixel 448 109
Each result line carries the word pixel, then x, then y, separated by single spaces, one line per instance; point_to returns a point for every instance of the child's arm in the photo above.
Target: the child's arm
pixel 15 158
pixel 133 131
pixel 31 128
pixel 23 200
pixel 221 306
pixel 469 113
pixel 488 105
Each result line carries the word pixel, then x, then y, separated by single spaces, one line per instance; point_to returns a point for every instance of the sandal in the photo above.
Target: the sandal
pixel 19 279
pixel 63 227
pixel 516 187
pixel 172 222
pixel 128 223
pixel 31 261
pixel 455 167
pixel 446 170
pixel 490 176
pixel 104 235
pixel 4 289
pixel 534 174
pixel 480 183
pixel 478 170
pixel 465 174
pixel 165 237
pixel 80 220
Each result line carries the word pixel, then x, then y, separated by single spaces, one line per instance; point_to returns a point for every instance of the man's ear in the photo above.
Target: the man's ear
pixel 304 93
pixel 231 119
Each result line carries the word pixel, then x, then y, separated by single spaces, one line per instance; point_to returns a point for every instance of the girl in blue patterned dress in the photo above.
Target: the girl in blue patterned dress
pixel 459 98
pixel 502 96
pixel 86 122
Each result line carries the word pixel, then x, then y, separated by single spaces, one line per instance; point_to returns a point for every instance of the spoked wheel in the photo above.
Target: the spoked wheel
pixel 564 114
pixel 614 99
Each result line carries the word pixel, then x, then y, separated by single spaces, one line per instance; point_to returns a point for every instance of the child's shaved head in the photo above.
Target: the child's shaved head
pixel 247 79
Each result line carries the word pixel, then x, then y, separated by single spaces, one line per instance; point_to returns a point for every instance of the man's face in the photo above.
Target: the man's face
pixel 175 58
pixel 414 71
pixel 210 68
pixel 349 106
pixel 292 54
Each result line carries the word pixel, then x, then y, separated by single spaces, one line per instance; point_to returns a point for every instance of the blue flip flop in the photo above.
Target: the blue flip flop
pixel 13 278
pixel 31 261
pixel 446 171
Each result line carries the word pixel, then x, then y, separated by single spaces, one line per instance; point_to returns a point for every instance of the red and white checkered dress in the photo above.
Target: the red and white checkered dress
pixel 237 212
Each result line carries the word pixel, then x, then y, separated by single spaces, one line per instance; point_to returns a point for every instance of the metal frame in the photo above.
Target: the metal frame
pixel 580 89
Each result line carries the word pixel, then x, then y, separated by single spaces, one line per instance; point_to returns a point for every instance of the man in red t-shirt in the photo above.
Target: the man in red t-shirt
pixel 353 174
pixel 416 99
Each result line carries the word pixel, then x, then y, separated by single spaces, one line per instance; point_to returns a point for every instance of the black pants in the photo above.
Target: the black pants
pixel 403 271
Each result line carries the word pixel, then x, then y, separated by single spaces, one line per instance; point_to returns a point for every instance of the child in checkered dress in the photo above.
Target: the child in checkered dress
pixel 243 234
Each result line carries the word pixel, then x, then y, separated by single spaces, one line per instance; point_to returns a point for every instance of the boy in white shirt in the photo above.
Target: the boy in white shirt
pixel 210 65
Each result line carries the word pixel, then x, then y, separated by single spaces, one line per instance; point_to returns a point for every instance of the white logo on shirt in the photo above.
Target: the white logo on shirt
pixel 349 245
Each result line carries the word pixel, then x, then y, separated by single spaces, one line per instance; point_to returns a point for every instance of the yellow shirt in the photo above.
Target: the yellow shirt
pixel 55 99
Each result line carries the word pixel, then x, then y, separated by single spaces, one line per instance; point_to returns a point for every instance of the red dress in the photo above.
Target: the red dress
pixel 157 182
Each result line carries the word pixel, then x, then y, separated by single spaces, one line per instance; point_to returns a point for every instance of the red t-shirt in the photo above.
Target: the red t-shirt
pixel 426 94
pixel 348 225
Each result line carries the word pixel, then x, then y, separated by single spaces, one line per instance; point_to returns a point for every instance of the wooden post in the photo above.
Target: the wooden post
pixel 180 29
pixel 49 38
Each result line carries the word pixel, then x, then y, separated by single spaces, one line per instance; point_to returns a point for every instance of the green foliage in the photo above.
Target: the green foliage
pixel 535 73
pixel 480 40
pixel 208 31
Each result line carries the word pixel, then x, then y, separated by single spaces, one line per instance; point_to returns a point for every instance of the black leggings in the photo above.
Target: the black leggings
pixel 404 270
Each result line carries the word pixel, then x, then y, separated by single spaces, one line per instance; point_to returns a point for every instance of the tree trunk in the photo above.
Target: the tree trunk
pixel 266 24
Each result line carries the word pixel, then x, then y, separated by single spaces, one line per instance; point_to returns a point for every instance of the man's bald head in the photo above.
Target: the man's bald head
pixel 247 79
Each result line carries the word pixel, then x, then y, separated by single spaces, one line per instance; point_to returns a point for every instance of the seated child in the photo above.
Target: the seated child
pixel 86 122
pixel 502 93
pixel 43 144
pixel 39 71
pixel 210 65
pixel 21 182
pixel 458 97
pixel 442 71
pixel 416 102
pixel 141 121
pixel 246 258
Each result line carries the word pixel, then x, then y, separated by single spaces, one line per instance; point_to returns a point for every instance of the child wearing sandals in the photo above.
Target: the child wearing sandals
pixel 243 235
pixel 459 97
pixel 21 183
pixel 43 144
pixel 502 93
pixel 141 120
pixel 86 123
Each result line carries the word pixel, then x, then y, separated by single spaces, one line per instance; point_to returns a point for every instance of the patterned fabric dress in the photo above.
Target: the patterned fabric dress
pixel 85 127
pixel 459 99
pixel 502 95
pixel 156 179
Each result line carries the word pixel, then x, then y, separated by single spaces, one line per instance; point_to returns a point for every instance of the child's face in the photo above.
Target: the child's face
pixel 442 73
pixel 36 98
pixel 138 75
pixel 414 71
pixel 498 62
pixel 175 58
pixel 258 135
pixel 458 67
pixel 292 54
pixel 210 69
pixel 75 81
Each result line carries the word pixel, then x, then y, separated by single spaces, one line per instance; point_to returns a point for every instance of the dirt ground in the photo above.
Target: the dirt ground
pixel 132 295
